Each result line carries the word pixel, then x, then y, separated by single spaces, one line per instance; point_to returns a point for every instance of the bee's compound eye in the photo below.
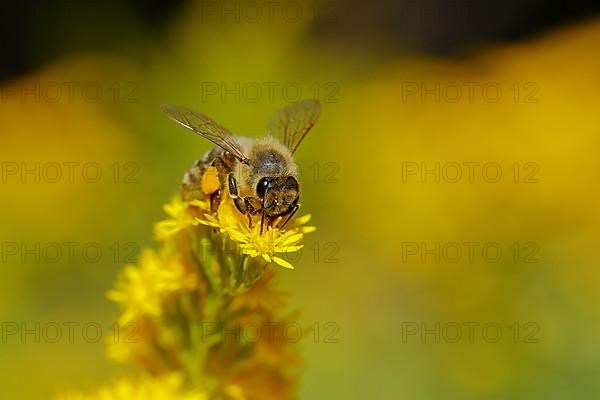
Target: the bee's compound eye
pixel 291 182
pixel 262 186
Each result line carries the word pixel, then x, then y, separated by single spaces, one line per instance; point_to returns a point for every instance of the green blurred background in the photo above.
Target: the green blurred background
pixel 367 64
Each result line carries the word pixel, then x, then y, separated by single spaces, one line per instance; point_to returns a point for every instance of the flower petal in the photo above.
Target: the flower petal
pixel 283 263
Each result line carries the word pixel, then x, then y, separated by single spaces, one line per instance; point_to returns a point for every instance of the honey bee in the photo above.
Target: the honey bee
pixel 259 174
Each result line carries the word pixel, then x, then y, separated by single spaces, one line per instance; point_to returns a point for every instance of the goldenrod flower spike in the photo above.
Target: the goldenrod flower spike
pixel 168 387
pixel 184 306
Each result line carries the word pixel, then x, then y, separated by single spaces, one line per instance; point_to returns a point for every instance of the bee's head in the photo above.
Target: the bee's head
pixel 279 195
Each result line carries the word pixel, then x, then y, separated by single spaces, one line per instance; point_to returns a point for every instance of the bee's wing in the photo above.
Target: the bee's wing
pixel 205 127
pixel 292 123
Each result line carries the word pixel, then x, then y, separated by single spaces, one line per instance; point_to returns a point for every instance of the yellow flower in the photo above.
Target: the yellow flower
pixel 123 352
pixel 180 217
pixel 272 243
pixel 141 289
pixel 261 297
pixel 130 343
pixel 169 387
pixel 194 279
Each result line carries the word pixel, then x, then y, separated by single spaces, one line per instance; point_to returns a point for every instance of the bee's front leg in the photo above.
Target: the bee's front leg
pixel 247 206
pixel 244 206
pixel 283 223
pixel 215 201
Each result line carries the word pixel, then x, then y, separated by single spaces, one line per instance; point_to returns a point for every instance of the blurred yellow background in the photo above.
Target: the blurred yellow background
pixel 360 270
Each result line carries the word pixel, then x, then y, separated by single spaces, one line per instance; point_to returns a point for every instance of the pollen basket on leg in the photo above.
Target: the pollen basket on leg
pixel 210 181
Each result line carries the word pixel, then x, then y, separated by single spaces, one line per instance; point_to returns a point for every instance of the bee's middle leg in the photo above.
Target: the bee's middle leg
pixel 215 201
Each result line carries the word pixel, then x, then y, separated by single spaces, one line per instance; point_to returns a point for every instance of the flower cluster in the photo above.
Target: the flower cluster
pixel 188 300
pixel 168 387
